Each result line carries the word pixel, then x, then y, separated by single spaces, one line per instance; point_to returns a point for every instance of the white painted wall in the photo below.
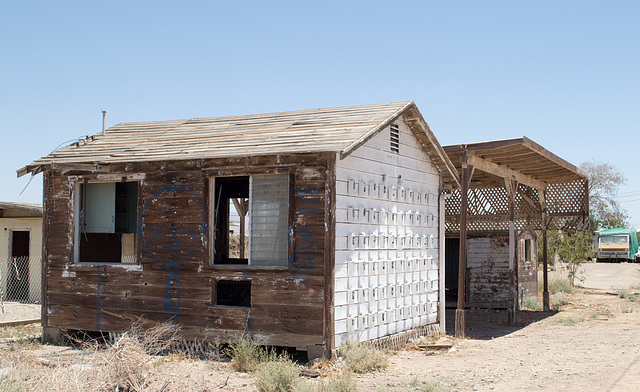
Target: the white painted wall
pixel 386 239
pixel 34 227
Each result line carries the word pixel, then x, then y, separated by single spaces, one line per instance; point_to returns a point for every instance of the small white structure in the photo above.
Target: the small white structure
pixel 20 251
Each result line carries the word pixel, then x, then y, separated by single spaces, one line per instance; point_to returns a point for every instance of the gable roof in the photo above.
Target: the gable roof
pixel 340 129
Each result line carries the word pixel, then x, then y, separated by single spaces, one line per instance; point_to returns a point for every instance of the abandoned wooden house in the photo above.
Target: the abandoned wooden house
pixel 514 189
pixel 302 228
pixel 20 251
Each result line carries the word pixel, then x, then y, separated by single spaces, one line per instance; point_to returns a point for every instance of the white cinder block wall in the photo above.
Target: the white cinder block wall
pixel 386 265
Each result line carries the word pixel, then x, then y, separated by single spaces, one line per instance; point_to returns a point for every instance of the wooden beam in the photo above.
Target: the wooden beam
pixel 504 172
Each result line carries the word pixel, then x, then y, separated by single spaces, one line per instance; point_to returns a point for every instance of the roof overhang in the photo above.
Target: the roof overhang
pixel 521 159
pixel 24 207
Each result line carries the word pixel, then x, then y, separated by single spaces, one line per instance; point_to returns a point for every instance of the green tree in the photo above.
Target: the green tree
pixel 574 248
pixel 604 181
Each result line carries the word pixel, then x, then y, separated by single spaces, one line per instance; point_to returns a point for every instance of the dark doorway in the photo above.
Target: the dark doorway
pixel 18 268
pixel 451 265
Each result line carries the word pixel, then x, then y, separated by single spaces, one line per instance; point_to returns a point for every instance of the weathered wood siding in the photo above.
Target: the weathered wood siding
pixel 527 269
pixel 488 271
pixel 173 278
pixel 386 272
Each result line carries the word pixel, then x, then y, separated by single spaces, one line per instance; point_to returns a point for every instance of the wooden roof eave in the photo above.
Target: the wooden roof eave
pixel 445 166
pixel 375 130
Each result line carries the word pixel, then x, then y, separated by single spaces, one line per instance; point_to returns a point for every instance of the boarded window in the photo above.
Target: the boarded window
pixel 251 220
pixel 107 219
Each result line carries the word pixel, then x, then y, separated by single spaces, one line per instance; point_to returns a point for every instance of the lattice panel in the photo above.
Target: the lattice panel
pixel 488 208
pixel 567 198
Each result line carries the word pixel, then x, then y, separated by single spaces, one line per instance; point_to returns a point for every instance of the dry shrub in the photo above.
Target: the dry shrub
pixel 247 353
pixel 362 358
pixel 277 376
pixel 342 383
pixel 121 366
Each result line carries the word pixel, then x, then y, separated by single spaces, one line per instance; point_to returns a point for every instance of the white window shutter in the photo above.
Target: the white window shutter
pixel 99 207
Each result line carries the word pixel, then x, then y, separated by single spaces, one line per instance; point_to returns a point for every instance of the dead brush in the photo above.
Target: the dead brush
pixel 127 361
pixel 123 365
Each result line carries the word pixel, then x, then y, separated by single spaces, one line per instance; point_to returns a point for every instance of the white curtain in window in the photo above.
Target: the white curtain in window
pixel 269 217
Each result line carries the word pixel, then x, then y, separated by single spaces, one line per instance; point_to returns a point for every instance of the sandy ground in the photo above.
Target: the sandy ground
pixel 591 344
pixel 15 311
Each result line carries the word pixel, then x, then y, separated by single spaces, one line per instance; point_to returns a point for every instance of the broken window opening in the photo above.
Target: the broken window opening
pixel 107 218
pixel 231 209
pixel 233 293
pixel 251 220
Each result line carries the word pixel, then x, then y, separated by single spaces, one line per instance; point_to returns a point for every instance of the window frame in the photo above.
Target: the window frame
pixel 78 182
pixel 244 172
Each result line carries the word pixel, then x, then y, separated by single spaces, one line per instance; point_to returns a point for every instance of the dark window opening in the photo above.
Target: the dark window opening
pixel 395 138
pixel 233 293
pixel 231 208
pixel 527 250
pixel 108 220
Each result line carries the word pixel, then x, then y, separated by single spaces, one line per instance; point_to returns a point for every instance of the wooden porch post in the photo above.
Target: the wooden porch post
pixel 511 186
pixel 542 194
pixel 462 261
pixel 545 275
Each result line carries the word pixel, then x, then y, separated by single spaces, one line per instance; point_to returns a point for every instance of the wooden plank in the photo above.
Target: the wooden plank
pixel 504 172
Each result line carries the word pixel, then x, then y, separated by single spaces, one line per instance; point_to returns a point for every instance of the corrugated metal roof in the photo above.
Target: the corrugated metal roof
pixel 319 130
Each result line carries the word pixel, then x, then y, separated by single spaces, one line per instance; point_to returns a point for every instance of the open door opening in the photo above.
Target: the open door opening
pixel 18 269
pixel 451 264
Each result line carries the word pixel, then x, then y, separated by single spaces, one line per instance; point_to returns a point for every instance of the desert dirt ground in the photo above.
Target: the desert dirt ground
pixel 591 344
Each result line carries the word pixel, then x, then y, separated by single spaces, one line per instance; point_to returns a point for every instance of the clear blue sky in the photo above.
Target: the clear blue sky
pixel 564 73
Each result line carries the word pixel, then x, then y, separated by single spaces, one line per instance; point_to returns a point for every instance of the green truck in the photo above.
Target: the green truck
pixel 617 245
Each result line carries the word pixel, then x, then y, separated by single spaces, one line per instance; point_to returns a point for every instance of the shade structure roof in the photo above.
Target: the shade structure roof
pixel 542 181
pixel 520 155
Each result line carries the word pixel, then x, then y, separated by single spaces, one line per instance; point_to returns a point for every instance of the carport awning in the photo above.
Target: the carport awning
pixel 540 179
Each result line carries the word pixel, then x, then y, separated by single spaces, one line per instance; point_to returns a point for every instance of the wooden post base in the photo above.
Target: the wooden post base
pixel 460 323
pixel 545 302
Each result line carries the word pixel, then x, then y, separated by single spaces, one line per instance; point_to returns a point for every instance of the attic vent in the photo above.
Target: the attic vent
pixel 395 138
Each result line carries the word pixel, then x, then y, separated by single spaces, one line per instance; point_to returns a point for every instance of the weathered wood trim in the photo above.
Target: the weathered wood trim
pixel 362 140
pixel 552 157
pixel 329 257
pixel 66 168
pixel 46 178
pixel 233 171
pixel 504 172
pixel 438 149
